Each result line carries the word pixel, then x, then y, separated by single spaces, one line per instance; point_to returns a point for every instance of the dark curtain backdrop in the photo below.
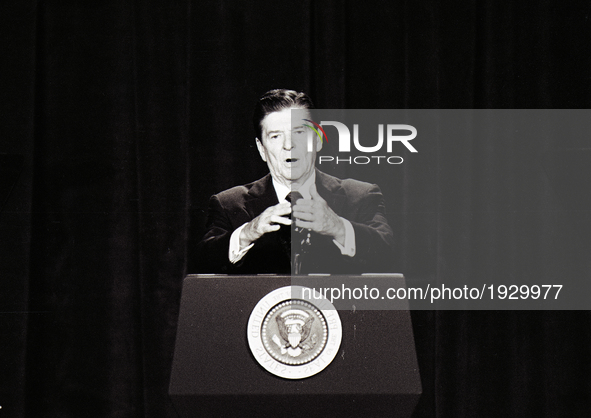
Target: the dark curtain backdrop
pixel 120 118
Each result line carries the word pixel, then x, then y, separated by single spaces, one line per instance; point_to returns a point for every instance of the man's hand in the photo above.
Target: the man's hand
pixel 268 221
pixel 315 214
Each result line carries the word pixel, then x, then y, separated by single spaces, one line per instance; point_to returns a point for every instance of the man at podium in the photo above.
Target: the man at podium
pixel 296 219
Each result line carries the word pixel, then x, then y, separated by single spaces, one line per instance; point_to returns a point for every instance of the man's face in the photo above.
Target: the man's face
pixel 284 150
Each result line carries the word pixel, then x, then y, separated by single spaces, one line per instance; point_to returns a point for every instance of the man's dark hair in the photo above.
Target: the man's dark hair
pixel 275 101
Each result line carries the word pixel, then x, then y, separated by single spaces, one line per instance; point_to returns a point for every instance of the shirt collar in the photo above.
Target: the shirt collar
pixel 282 190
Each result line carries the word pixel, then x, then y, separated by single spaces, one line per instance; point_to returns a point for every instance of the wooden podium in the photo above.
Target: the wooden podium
pixel 214 373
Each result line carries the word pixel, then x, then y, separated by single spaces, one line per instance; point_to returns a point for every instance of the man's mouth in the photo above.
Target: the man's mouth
pixel 291 160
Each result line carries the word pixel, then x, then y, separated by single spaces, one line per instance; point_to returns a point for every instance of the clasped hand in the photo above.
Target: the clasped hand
pixel 315 214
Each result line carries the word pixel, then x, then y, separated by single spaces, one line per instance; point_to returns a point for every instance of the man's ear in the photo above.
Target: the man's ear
pixel 261 149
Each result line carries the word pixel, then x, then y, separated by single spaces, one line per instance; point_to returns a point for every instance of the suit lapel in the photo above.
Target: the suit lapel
pixel 329 188
pixel 260 196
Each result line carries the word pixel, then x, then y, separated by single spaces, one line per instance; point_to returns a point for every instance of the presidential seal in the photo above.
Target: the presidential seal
pixel 291 337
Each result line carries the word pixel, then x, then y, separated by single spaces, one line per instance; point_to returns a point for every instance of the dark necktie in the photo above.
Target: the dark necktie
pixel 293 197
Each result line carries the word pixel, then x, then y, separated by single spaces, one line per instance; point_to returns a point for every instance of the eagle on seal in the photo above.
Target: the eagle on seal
pixel 295 335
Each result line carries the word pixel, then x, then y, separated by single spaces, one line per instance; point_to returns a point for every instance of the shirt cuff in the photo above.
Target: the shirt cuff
pixel 235 254
pixel 349 248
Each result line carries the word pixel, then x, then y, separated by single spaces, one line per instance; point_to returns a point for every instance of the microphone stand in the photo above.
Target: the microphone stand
pixel 304 246
pixel 300 235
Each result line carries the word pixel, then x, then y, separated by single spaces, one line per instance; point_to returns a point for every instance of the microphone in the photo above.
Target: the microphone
pixel 301 236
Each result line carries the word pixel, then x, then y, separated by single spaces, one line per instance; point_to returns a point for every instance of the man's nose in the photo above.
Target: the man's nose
pixel 287 143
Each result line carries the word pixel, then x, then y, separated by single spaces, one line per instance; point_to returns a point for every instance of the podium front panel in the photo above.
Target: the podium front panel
pixel 214 373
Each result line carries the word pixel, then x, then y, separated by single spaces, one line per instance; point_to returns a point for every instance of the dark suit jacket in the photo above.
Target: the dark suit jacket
pixel 360 203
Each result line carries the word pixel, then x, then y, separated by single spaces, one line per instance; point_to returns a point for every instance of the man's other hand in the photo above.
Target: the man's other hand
pixel 268 221
pixel 315 214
